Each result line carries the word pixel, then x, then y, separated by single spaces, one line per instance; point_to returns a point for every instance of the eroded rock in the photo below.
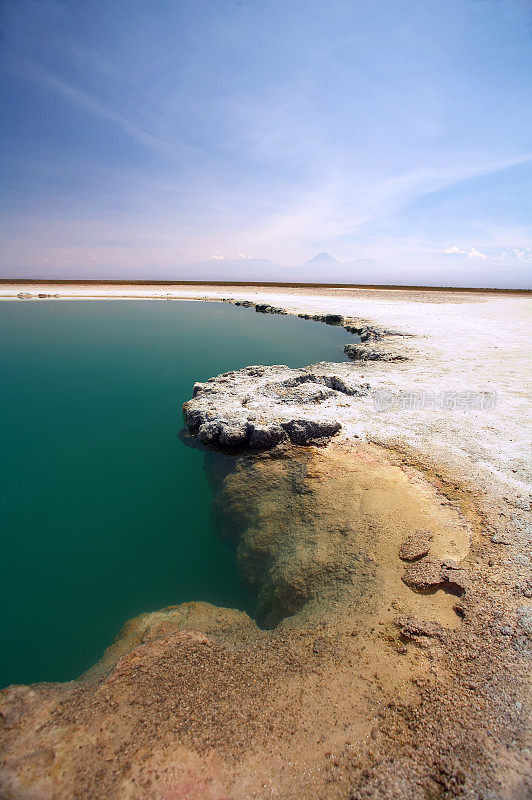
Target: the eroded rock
pixel 456 577
pixel 424 574
pixel 360 352
pixel 259 407
pixel 304 431
pixel 233 435
pixel 431 573
pixel 266 436
pixel 264 308
pixel 365 332
pixel 411 627
pixel 415 546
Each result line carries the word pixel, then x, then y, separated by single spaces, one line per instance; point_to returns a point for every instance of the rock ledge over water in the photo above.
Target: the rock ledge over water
pixel 260 407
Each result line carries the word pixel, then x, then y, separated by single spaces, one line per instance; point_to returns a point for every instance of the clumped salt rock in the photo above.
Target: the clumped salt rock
pixel 266 436
pixel 415 546
pixel 209 432
pixel 233 435
pixel 260 407
pixel 456 577
pixel 424 574
pixel 410 627
pixel 360 352
pixel 303 431
pixel 365 332
pixel 301 393
pixel 430 573
pixel 264 308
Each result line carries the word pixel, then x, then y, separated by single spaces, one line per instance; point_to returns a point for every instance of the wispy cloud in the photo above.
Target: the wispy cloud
pixel 476 255
pixel 96 106
pixel 518 254
pixel 472 253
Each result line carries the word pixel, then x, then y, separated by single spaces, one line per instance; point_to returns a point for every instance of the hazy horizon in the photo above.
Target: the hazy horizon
pixel 236 141
pixel 360 271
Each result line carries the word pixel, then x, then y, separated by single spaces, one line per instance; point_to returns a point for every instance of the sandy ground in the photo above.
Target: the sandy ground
pixel 376 693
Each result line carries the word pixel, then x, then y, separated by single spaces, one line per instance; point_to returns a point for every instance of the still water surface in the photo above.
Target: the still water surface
pixel 104 512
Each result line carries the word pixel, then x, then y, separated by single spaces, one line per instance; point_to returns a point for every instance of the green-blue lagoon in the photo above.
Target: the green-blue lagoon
pixel 105 512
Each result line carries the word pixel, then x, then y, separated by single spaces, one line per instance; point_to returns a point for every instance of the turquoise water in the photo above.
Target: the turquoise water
pixel 105 513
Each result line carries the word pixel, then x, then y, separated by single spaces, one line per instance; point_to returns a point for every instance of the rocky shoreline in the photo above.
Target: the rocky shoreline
pixel 260 407
pixel 393 586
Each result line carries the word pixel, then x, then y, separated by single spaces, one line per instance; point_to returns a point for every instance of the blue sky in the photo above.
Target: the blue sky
pixel 164 139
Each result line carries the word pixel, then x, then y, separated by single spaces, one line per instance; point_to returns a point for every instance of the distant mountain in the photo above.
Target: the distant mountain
pixel 321 260
pixel 324 268
pixel 315 270
pixel 321 268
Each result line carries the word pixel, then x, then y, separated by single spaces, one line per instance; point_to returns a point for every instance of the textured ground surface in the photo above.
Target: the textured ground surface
pixel 392 566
